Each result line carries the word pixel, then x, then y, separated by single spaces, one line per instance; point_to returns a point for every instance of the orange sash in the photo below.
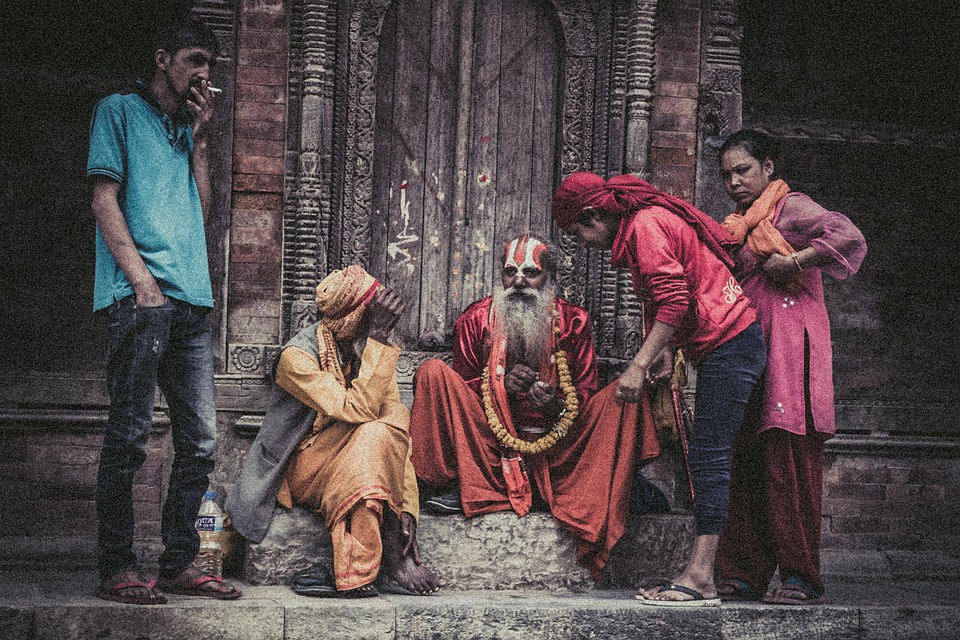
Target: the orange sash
pixel 756 225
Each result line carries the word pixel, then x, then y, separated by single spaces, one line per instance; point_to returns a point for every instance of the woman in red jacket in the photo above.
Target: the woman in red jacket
pixel 681 272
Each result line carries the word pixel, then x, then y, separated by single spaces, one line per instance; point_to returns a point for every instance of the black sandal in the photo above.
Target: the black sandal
pixel 366 591
pixel 316 582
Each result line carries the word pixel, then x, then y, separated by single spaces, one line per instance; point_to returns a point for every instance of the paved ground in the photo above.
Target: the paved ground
pixel 50 586
pixel 48 605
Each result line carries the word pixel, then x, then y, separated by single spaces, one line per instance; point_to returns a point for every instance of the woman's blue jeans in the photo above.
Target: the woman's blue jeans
pixel 169 346
pixel 725 379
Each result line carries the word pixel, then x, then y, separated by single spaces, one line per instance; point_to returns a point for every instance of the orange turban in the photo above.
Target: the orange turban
pixel 343 298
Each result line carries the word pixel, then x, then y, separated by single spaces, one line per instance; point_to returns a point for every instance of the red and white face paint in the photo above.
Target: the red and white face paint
pixel 524 253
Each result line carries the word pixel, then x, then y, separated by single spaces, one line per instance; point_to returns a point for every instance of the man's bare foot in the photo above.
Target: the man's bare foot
pixel 401 572
pixel 664 593
pixel 128 588
pixel 411 578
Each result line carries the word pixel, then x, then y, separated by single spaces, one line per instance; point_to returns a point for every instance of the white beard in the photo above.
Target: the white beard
pixel 527 317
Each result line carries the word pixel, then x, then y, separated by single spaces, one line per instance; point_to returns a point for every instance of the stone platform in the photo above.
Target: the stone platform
pixel 496 551
pixel 61 606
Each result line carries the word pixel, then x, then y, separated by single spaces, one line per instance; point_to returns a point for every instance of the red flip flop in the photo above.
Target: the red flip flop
pixel 114 593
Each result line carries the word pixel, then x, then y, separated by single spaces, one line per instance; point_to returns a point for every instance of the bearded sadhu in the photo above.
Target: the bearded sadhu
pixel 518 422
pixel 335 441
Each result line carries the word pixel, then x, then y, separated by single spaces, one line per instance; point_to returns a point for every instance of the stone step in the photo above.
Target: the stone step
pixel 494 551
pixel 62 607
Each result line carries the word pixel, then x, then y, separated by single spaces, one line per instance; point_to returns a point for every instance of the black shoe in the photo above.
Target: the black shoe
pixel 444 504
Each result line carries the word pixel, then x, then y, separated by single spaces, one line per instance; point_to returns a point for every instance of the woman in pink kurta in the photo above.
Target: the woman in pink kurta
pixel 777 474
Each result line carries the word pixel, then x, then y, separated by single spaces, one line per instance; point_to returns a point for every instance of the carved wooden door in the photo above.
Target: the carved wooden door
pixel 464 149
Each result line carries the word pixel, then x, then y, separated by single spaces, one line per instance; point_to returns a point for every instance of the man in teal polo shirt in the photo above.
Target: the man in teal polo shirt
pixel 151 193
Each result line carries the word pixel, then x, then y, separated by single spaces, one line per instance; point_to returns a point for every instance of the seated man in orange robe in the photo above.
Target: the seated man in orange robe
pixel 518 422
pixel 335 440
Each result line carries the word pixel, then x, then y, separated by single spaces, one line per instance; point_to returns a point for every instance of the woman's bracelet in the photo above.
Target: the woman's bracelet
pixel 796 261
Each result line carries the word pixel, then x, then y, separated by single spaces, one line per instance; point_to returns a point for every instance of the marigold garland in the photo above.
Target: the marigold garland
pixel 567 416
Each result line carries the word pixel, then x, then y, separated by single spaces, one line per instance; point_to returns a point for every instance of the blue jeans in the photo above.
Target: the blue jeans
pixel 169 346
pixel 725 379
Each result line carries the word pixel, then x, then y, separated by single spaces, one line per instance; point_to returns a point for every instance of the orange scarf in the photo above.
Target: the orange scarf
pixel 756 225
pixel 514 473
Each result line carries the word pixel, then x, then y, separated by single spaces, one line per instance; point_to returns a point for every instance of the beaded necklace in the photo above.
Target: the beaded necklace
pixel 564 420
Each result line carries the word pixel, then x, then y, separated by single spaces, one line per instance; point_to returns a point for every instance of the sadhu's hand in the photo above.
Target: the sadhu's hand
pixel 540 394
pixel 384 312
pixel 520 379
pixel 408 526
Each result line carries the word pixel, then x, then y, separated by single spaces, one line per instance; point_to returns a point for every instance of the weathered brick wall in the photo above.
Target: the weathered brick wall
pixel 879 503
pixel 253 289
pixel 674 113
pixel 48 479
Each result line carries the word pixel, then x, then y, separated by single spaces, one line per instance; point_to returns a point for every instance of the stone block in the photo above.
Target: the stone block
pixel 907 565
pixel 856 491
pixel 790 623
pixel 264 16
pixel 263 93
pixel 654 547
pixel 254 39
pixel 371 618
pixel 261 201
pixel 501 551
pixel 244 163
pixel 909 623
pixel 16 621
pixel 858 524
pixel 14 447
pixel 270 76
pixel 189 618
pixel 497 551
pixel 525 616
pixel 62 552
pixel 835 563
pixel 296 539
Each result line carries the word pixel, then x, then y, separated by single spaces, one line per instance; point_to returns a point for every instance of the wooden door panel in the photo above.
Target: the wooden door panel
pixel 482 175
pixel 400 166
pixel 545 157
pixel 510 135
pixel 516 130
pixel 440 168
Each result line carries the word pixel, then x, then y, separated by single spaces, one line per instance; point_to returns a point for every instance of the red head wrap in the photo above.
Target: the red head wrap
pixel 625 195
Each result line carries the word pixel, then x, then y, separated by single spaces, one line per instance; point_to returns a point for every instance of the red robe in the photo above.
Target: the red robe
pixel 585 478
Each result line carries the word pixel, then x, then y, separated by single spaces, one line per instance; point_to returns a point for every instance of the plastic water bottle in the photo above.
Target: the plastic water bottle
pixel 209 525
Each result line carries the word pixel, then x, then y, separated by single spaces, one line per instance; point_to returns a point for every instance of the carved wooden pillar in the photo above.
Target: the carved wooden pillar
pixel 221 16
pixel 720 99
pixel 308 205
pixel 640 61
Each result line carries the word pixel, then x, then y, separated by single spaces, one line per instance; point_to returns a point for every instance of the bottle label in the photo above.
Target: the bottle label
pixel 209 523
